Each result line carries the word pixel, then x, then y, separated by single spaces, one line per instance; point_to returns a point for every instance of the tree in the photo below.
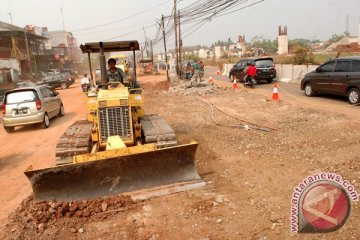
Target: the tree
pixel 300 42
pixel 222 43
pixel 269 46
pixel 192 57
pixel 302 55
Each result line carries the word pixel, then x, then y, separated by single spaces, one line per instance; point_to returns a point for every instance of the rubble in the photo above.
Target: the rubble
pixel 40 216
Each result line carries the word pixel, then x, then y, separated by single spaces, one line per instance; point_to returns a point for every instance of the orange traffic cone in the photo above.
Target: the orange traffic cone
pixel 210 79
pixel 235 85
pixel 218 72
pixel 275 95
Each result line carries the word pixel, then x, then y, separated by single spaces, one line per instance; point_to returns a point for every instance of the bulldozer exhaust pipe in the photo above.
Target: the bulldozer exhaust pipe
pixel 115 175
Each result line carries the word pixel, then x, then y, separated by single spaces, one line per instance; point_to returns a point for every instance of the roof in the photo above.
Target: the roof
pixel 10 30
pixel 348 58
pixel 256 59
pixel 118 46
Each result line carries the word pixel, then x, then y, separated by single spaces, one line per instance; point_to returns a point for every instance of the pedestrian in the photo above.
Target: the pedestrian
pixel 188 71
pixel 85 83
pixel 202 65
pixel 198 73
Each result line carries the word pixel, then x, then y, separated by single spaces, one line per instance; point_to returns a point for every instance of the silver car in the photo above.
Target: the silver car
pixel 30 105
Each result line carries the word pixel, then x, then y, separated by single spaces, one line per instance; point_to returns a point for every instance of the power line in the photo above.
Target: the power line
pixel 125 34
pixel 119 20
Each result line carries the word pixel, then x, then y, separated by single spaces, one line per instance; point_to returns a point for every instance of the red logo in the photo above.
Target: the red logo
pixel 325 207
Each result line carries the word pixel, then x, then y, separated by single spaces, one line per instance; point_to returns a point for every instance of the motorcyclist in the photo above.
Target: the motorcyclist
pixel 85 83
pixel 251 72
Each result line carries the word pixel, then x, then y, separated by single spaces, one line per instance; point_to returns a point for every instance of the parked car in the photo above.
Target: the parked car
pixel 265 69
pixel 72 73
pixel 25 84
pixel 61 80
pixel 30 105
pixel 340 76
pixel 53 71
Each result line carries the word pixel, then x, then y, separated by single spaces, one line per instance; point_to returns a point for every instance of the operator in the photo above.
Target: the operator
pixel 116 74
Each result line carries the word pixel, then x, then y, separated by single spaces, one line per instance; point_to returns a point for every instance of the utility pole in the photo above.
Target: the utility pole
pixel 176 40
pixel 151 52
pixel 27 49
pixel 180 44
pixel 166 60
pixel 10 17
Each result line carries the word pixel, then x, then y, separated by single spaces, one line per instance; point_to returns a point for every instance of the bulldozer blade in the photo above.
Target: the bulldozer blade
pixel 115 175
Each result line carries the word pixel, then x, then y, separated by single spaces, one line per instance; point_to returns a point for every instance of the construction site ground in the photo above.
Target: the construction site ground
pixel 250 171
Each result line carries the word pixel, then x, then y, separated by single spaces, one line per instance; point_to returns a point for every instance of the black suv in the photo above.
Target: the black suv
pixel 340 76
pixel 265 69
pixel 62 80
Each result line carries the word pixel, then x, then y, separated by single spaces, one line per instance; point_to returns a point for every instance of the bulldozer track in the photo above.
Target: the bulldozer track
pixel 156 130
pixel 75 140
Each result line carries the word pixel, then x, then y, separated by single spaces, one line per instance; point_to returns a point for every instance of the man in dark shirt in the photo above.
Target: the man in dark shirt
pixel 115 74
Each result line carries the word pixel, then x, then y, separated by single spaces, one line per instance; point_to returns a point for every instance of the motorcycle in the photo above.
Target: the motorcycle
pixel 85 87
pixel 249 82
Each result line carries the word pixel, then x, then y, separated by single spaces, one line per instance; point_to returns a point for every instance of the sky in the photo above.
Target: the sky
pixel 125 20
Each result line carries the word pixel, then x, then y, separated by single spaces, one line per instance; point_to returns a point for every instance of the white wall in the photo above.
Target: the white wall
pixel 10 63
pixel 293 73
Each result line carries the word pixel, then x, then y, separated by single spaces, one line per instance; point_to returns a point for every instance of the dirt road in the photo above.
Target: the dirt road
pixel 250 174
pixel 32 145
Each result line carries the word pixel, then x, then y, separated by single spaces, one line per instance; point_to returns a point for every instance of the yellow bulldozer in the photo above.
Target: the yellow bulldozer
pixel 118 148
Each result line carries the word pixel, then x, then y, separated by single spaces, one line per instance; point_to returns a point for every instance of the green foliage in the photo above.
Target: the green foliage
pixel 301 55
pixel 269 46
pixel 222 43
pixel 300 42
pixel 192 57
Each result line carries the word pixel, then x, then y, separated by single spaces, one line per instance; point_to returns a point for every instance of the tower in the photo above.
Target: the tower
pixel 283 42
pixel 241 44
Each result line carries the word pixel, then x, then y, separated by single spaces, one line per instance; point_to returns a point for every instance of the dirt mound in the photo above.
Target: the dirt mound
pixel 34 219
pixel 159 85
pixel 352 47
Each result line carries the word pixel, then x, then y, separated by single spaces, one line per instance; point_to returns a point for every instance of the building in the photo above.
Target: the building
pixel 19 49
pixel 64 48
pixel 218 51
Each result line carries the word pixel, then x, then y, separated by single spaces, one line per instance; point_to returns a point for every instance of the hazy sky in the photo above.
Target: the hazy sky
pixel 312 19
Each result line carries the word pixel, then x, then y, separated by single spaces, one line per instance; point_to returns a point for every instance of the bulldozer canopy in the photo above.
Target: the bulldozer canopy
pixel 117 46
